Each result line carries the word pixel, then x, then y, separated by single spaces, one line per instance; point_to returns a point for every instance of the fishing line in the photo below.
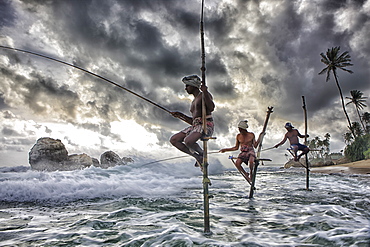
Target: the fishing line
pixel 173 158
pixel 88 72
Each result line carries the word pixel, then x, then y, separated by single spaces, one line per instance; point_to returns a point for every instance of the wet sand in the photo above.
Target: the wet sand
pixel 358 167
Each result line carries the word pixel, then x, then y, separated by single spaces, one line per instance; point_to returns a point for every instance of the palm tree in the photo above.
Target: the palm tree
pixel 348 138
pixel 358 101
pixel 356 127
pixel 333 61
pixel 366 119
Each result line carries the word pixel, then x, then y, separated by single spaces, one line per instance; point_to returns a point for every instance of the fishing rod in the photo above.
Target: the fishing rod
pixel 173 158
pixel 86 71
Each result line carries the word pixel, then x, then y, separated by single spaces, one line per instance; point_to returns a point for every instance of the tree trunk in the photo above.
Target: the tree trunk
pixel 343 106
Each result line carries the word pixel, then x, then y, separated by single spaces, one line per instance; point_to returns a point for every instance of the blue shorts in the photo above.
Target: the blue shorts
pixel 300 146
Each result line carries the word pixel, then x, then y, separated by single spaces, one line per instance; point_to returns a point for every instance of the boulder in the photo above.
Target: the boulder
pixel 47 153
pixel 50 154
pixel 78 161
pixel 300 163
pixel 110 159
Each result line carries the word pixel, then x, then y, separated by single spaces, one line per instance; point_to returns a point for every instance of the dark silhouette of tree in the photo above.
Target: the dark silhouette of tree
pixel 333 61
pixel 348 138
pixel 356 128
pixel 366 119
pixel 359 102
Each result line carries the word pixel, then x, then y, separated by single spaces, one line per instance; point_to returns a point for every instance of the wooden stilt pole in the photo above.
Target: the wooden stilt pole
pixel 305 142
pixel 257 160
pixel 206 180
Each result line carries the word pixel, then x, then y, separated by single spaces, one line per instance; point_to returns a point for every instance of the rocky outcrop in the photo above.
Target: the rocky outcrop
pixel 47 154
pixel 292 163
pixel 50 154
pixel 110 158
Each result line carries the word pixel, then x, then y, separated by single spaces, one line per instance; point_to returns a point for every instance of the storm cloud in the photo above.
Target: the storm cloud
pixel 258 54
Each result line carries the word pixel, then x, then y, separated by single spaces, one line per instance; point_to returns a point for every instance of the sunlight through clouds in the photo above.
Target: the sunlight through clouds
pixel 258 54
pixel 133 135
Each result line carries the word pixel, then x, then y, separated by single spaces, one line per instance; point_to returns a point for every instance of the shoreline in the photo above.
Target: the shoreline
pixel 357 167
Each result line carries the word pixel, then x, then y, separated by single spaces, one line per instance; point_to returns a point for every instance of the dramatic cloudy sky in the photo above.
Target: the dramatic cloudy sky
pixel 259 54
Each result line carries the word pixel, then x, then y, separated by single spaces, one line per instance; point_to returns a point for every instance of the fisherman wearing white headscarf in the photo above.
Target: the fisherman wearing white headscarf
pixel 186 140
pixel 293 134
pixel 192 80
pixel 247 142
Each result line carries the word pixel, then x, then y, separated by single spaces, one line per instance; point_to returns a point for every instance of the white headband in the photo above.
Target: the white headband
pixel 192 80
pixel 243 124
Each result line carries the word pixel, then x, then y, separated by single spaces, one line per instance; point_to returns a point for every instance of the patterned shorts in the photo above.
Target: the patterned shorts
pixel 197 127
pixel 246 153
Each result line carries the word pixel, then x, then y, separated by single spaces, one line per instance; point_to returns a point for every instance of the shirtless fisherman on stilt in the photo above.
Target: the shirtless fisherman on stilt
pixel 293 134
pixel 247 142
pixel 186 140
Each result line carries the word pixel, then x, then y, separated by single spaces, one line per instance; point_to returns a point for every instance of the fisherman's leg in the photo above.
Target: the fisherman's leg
pixel 295 150
pixel 238 164
pixel 251 164
pixel 177 141
pixel 304 151
pixel 198 149
pixel 191 143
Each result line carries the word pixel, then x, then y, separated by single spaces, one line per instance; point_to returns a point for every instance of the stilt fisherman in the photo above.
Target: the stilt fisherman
pixel 292 135
pixel 247 142
pixel 186 139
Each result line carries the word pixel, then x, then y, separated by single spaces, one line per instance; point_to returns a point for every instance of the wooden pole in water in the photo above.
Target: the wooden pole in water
pixel 206 180
pixel 257 161
pixel 305 142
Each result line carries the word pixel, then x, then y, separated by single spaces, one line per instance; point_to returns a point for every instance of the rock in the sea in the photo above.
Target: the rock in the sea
pixel 47 153
pixel 292 163
pixel 111 159
pixel 126 160
pixel 50 154
pixel 78 161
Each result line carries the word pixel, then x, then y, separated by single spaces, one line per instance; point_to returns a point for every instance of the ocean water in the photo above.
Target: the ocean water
pixel 161 204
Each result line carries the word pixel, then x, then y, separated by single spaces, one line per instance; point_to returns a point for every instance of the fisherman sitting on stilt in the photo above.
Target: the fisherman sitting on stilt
pixel 293 134
pixel 247 142
pixel 186 140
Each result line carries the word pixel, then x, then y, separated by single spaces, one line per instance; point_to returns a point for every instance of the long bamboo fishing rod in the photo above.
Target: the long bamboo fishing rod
pixel 174 158
pixel 86 71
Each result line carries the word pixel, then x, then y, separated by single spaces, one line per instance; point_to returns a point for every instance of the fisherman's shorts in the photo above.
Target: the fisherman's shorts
pixel 246 153
pixel 197 127
pixel 301 147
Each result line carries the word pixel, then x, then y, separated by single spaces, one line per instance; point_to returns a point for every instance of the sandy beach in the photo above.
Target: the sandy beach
pixel 358 167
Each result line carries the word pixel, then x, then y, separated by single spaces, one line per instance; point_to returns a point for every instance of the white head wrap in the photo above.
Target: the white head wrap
pixel 192 80
pixel 243 124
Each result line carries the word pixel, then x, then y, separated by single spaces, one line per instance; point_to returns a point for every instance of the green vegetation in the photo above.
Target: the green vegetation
pixel 357 138
pixel 319 148
pixel 359 149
